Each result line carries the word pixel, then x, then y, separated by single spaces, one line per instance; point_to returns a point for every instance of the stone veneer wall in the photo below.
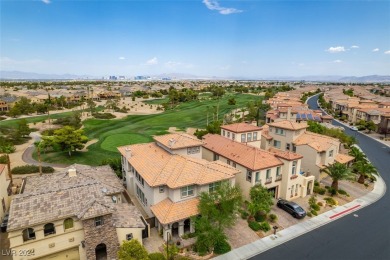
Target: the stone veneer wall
pixel 105 234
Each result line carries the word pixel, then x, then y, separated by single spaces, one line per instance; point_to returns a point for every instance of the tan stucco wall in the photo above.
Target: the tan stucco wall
pixel 122 232
pixel 3 192
pixel 310 160
pixel 185 153
pixel 43 245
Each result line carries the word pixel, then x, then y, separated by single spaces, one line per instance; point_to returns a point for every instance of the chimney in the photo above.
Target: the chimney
pixel 72 172
pixel 289 113
pixel 171 142
pixel 128 153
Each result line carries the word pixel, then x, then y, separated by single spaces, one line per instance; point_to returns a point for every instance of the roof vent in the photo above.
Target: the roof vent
pixel 72 172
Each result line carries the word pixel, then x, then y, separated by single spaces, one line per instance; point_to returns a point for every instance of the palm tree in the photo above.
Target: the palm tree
pixel 365 169
pixel 359 156
pixel 7 149
pixel 338 171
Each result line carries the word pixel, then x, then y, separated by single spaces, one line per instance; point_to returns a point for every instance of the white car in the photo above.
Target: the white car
pixel 354 128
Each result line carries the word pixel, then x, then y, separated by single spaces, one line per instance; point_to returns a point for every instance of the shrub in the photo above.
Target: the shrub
pixel 255 226
pixel 260 216
pixel 316 184
pixel 264 226
pixel 272 218
pixel 343 192
pixel 320 204
pixel 315 207
pixel 156 256
pixel 26 169
pixel 332 191
pixel 319 190
pixel 327 187
pixel 222 247
pixel 103 115
pixel 309 214
pixel 3 159
pixel 244 214
pixel 312 200
pixel 331 201
pixel 314 212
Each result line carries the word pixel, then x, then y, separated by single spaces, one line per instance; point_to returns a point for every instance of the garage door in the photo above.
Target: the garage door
pixel 70 254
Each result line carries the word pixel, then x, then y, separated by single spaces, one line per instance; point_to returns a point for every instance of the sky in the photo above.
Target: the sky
pixel 239 38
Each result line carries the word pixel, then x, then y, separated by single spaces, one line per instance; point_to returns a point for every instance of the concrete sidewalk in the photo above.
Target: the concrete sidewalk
pixel 308 225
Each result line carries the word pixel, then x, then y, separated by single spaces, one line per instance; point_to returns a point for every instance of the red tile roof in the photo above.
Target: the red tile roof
pixel 247 156
pixel 167 211
pixel 241 127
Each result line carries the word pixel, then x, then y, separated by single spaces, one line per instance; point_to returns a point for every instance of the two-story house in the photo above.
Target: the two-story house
pixel 243 133
pixel 278 171
pixel 80 213
pixel 5 191
pixel 166 176
pixel 318 150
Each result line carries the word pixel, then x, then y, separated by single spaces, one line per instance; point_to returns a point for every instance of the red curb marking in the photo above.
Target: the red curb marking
pixel 342 212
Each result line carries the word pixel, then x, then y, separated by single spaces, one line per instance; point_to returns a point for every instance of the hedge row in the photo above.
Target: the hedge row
pixel 26 169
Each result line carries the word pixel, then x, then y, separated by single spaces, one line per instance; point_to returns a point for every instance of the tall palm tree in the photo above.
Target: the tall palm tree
pixel 359 156
pixel 338 171
pixel 365 169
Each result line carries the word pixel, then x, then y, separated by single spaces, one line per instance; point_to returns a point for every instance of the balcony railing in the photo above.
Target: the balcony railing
pixel 268 180
pixel 278 178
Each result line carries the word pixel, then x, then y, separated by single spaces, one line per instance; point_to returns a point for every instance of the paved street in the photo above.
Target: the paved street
pixel 364 236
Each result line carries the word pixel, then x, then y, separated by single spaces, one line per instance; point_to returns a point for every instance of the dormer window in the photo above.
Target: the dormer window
pixel 49 229
pixel 28 234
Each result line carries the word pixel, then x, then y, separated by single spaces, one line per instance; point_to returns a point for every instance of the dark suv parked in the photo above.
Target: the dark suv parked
pixel 294 209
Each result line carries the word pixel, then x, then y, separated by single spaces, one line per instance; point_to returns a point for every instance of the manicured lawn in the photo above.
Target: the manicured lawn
pixel 158 101
pixel 140 128
pixel 113 141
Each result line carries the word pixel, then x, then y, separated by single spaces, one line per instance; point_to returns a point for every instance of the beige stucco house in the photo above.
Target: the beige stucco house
pixel 5 191
pixel 80 213
pixel 244 133
pixel 317 150
pixel 166 176
pixel 278 171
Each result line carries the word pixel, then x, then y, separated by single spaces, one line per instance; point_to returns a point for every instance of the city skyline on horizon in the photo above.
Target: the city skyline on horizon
pixel 209 38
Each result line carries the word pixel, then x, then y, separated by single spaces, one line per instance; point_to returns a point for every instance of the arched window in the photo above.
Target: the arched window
pixel 28 234
pixel 68 223
pixel 49 229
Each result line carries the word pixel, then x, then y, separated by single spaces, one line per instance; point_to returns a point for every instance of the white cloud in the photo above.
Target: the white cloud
pixel 354 47
pixel 214 5
pixel 152 61
pixel 337 61
pixel 375 50
pixel 336 49
pixel 46 1
pixel 172 64
pixel 122 58
pixel 387 52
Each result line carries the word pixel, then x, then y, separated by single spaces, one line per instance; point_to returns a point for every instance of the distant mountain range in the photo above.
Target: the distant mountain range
pixel 19 75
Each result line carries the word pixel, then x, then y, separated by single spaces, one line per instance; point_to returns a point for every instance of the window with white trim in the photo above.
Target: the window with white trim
pixel 141 196
pixel 254 136
pixel 294 168
pixel 223 132
pixel 268 173
pixel 243 138
pixel 249 176
pixel 249 137
pixel 233 136
pixel 278 171
pixel 279 131
pixel 228 134
pixel 228 161
pixel 277 144
pixel 331 153
pixel 288 146
pixel 257 177
pixel 139 178
pixel 187 191
pixel 193 150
